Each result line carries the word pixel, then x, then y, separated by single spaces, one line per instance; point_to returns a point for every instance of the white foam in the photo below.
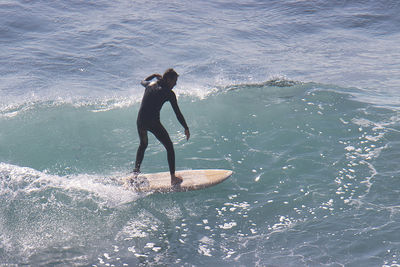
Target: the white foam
pixel 28 180
pixel 111 194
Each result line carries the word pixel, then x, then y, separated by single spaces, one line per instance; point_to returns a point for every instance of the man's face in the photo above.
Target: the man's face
pixel 172 82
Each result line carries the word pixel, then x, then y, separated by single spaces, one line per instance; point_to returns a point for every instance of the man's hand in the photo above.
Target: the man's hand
pixel 187 133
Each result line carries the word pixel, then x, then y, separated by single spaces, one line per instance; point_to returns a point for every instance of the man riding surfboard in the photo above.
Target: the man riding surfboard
pixel 156 94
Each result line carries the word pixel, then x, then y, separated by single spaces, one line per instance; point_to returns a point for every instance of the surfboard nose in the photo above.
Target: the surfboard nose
pixel 221 174
pixel 227 172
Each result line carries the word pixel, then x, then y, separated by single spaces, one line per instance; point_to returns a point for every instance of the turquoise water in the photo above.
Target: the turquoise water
pixel 315 182
pixel 299 98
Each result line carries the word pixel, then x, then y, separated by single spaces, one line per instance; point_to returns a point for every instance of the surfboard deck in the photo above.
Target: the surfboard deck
pixel 161 182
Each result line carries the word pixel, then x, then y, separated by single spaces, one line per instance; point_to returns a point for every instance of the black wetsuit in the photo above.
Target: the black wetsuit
pixel 148 119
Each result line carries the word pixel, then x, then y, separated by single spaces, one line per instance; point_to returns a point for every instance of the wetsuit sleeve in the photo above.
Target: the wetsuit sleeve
pixel 144 83
pixel 178 113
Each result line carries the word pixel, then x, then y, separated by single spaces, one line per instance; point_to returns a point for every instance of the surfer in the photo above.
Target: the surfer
pixel 156 94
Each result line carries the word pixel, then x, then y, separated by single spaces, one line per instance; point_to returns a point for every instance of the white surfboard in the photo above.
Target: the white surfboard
pixel 161 182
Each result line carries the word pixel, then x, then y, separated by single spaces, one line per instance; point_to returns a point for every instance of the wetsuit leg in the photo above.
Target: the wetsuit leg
pixel 142 148
pixel 162 135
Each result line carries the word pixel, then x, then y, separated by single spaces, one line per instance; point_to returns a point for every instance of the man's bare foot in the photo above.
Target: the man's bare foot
pixel 134 177
pixel 176 180
pixel 136 172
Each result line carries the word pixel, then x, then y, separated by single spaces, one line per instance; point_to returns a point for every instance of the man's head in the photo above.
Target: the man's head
pixel 170 77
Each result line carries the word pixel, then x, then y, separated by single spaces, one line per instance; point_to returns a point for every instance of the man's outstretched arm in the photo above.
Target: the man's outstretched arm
pixel 179 115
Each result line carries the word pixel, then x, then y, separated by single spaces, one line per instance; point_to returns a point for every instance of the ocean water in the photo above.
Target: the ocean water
pixel 301 99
